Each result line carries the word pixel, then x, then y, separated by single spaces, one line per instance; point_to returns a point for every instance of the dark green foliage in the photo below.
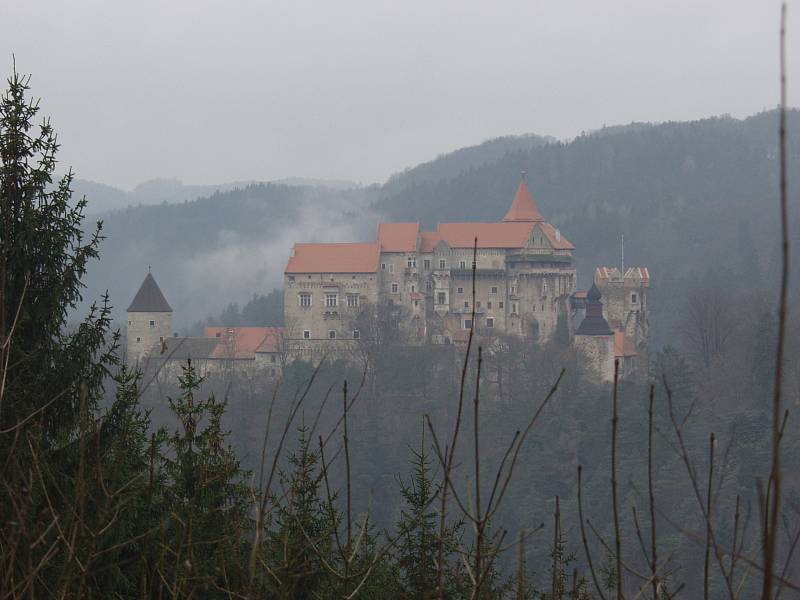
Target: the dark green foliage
pixel 561 334
pixel 43 256
pixel 206 498
pixel 260 311
pixel 418 530
pixel 302 533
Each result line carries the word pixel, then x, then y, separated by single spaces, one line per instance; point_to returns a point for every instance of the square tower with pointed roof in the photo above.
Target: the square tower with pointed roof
pixel 149 320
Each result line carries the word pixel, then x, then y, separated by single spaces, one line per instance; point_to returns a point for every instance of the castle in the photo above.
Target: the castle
pixel 415 287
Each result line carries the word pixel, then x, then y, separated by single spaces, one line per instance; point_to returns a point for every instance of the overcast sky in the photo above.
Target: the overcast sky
pixel 256 89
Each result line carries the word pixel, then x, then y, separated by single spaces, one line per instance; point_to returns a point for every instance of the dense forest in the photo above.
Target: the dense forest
pixel 450 472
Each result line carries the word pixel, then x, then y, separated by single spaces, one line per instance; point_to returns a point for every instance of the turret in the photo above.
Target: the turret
pixel 595 337
pixel 149 320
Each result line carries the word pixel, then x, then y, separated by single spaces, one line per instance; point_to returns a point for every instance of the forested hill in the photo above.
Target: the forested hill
pixel 685 193
pixel 696 201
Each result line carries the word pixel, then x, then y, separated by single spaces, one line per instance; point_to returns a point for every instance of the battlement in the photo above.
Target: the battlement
pixel 612 277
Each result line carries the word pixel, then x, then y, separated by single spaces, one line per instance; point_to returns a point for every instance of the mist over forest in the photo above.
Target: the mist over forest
pixel 694 202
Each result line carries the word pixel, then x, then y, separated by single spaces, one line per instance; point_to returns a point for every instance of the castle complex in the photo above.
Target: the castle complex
pixel 415 287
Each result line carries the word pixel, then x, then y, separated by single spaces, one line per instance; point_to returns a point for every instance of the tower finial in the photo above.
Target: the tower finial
pixel 148 268
pixel 524 172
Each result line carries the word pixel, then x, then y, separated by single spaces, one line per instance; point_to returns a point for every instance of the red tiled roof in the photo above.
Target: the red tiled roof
pixel 334 258
pixel 611 273
pixel 623 346
pixel 558 241
pixel 638 272
pixel 398 237
pixel 523 208
pixel 241 342
pixel 490 235
pixel 428 240
pixel 272 341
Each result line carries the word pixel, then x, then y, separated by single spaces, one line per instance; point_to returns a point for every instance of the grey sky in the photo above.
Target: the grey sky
pixel 351 89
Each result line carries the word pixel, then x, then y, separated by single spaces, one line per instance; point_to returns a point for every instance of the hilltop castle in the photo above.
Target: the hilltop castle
pixel 415 287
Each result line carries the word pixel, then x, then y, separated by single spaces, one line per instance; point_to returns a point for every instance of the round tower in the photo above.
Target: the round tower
pixel 595 337
pixel 149 320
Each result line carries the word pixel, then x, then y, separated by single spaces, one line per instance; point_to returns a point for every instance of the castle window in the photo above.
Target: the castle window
pixel 412 263
pixel 478 304
pixel 416 303
pixel 306 334
pixel 462 265
pixel 330 300
pixel 442 264
pixel 494 289
pixel 161 338
pixel 413 289
pixel 490 323
pixel 427 264
pixel 395 288
pixel 428 285
pixel 273 358
pixel 331 334
pixel 544 288
pixel 467 323
pixel 352 300
pixel 513 290
pixel 138 339
pixel 152 324
pixel 441 298
pixel 542 307
pixel 534 308
pixel 304 299
pixel 460 290
pixel 383 266
pixel 130 323
pixel 391 268
pixel 513 308
pixel 356 334
pixel 466 304
pixel 489 305
pixel 633 299
pixel 501 304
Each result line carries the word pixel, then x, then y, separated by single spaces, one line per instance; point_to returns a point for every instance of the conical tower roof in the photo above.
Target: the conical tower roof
pixel 149 297
pixel 594 323
pixel 523 208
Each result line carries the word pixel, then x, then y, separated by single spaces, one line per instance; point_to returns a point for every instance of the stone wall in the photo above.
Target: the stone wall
pixel 599 353
pixel 144 331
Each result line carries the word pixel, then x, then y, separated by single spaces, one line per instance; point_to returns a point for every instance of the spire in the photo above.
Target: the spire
pixel 523 208
pixel 149 297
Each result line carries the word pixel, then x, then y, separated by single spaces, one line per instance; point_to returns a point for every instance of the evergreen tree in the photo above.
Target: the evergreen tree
pixel 418 530
pixel 206 499
pixel 302 532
